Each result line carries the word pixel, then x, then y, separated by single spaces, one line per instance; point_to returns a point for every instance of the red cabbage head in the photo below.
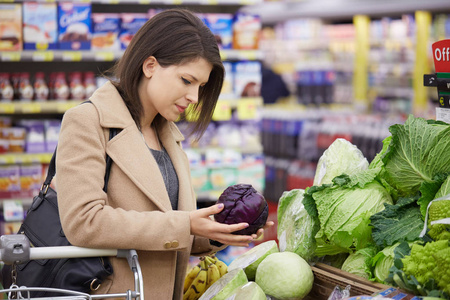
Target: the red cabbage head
pixel 242 203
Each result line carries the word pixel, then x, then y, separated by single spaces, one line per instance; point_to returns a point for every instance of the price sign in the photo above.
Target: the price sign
pixel 222 111
pixel 43 56
pixel 248 54
pixel 7 108
pixel 62 107
pixel 31 108
pixel 11 56
pixel 72 56
pixel 104 56
pixel 246 109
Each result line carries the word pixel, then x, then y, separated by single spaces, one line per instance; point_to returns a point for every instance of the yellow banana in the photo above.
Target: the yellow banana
pixel 213 272
pixel 198 285
pixel 190 277
pixel 223 268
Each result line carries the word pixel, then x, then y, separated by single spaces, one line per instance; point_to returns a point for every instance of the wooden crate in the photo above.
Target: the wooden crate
pixel 326 278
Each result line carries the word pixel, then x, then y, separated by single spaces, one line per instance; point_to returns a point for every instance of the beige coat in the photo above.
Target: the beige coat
pixel 136 213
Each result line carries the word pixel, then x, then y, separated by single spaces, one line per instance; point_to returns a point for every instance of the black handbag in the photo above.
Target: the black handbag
pixel 42 226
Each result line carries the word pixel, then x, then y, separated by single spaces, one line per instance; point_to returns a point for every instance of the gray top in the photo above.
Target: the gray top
pixel 168 173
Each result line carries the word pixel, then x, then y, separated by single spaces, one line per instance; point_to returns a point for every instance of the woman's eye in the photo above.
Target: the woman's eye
pixel 186 82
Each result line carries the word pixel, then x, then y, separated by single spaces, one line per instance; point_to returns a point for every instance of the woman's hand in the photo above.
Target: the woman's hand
pixel 203 225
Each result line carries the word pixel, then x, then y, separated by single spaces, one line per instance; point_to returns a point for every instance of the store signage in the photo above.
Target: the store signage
pixel 441 56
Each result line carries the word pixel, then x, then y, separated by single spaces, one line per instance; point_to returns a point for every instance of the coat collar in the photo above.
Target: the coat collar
pixel 139 164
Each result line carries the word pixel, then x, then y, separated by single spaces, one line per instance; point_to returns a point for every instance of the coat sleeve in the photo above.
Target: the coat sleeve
pixel 86 218
pixel 202 246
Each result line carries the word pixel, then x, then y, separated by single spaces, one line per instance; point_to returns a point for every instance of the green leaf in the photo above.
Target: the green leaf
pixel 418 151
pixel 397 223
pixel 428 191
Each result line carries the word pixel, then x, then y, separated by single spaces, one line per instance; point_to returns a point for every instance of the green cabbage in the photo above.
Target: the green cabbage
pixel 344 209
pixel 382 263
pixel 285 275
pixel 360 262
pixel 417 153
pixel 341 157
pixel 296 228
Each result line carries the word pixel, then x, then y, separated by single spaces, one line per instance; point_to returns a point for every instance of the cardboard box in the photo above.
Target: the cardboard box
pixel 40 27
pixel 11 38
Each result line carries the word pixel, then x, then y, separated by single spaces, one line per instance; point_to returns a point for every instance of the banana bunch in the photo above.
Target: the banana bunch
pixel 202 276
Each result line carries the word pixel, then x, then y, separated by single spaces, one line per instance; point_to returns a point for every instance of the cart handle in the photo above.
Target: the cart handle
pixel 15 248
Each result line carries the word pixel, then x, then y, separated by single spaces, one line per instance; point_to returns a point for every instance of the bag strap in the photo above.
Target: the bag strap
pixel 52 165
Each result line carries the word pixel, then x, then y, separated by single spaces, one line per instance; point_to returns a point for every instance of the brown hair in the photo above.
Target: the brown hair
pixel 173 37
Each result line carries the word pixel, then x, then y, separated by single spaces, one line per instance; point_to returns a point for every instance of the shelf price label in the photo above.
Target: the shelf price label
pixel 104 56
pixel 246 108
pixel 248 54
pixel 144 1
pixel 72 56
pixel 43 56
pixel 7 108
pixel 222 111
pixel 11 56
pixel 31 108
pixel 7 159
pixel 62 107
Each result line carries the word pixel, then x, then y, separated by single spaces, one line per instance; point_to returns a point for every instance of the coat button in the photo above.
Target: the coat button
pixel 175 244
pixel 167 245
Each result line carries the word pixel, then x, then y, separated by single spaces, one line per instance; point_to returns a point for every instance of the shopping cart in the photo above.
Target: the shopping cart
pixel 16 248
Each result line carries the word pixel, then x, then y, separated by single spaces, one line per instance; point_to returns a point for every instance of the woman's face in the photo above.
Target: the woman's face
pixel 170 90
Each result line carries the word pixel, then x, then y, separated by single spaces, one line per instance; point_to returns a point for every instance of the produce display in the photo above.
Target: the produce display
pixel 387 221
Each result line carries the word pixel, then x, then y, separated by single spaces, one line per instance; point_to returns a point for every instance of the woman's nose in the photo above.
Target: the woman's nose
pixel 192 96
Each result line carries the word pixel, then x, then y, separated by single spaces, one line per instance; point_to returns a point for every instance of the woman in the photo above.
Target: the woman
pixel 172 62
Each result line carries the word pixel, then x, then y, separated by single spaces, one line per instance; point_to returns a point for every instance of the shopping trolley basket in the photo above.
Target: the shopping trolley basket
pixel 15 248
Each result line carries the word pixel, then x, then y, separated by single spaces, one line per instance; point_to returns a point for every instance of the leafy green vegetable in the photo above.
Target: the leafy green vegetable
pixel 285 276
pixel 382 263
pixel 296 228
pixel 343 209
pixel 341 157
pixel 359 262
pixel 377 162
pixel 429 191
pixel 397 223
pixel 417 153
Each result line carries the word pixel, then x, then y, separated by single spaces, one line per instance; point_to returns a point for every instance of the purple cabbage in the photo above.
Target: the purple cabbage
pixel 242 203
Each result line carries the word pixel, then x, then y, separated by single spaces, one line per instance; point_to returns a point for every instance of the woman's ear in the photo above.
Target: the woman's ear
pixel 149 66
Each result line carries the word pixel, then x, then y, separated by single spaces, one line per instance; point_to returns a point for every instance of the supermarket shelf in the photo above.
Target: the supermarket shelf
pixel 273 12
pixel 24 158
pixel 76 56
pixel 37 107
pixel 59 107
pixel 153 2
pixel 26 197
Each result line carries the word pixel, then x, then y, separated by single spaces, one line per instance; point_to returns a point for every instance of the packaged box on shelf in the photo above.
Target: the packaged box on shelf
pixel 106 29
pixel 247 79
pixel 130 24
pixel 326 278
pixel 9 178
pixel 74 20
pixel 221 25
pixel 40 27
pixel 11 37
